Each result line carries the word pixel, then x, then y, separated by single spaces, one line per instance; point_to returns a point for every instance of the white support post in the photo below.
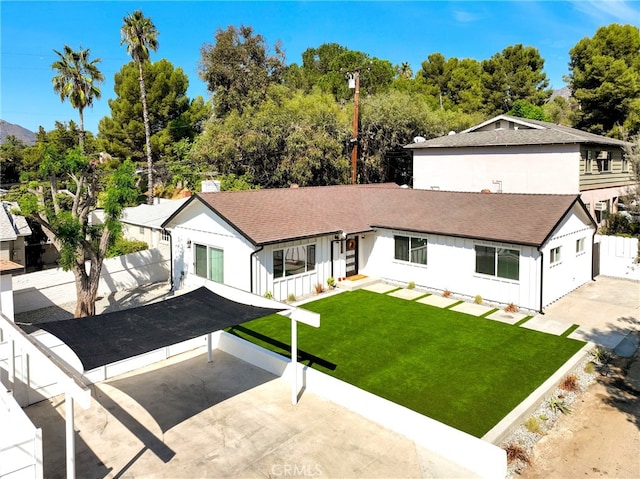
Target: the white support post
pixel 70 437
pixel 209 348
pixel 294 362
pixel 12 364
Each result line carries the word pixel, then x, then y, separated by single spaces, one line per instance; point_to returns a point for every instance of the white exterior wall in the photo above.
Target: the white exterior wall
pixel 525 169
pixel 200 225
pixel 451 266
pixel 574 269
pixel 141 233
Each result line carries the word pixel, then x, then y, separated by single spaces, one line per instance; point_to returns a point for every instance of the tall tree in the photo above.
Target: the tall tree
pixel 605 80
pixel 61 202
pixel 140 35
pixel 77 79
pixel 172 115
pixel 514 74
pixel 239 68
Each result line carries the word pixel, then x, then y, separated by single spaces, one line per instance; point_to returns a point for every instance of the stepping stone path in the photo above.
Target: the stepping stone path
pixel 472 308
pixel 409 294
pixel 504 317
pixel 439 301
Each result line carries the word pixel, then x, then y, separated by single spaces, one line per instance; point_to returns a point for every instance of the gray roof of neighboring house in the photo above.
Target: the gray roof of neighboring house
pixel 533 132
pixel 273 216
pixel 151 216
pixel 12 225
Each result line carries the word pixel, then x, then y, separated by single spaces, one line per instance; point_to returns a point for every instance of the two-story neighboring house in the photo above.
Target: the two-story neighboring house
pixel 508 154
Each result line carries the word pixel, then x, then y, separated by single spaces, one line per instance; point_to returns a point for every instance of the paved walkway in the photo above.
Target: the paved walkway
pixel 606 310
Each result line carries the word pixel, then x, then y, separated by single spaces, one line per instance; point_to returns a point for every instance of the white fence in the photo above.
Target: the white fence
pixel 20 442
pixel 617 257
pixel 54 287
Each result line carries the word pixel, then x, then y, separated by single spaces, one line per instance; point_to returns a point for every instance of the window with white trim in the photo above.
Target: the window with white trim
pixel 294 260
pixel 165 237
pixel 588 161
pixel 411 249
pixel 209 263
pixel 554 255
pixel 580 245
pixel 625 164
pixel 604 162
pixel 500 262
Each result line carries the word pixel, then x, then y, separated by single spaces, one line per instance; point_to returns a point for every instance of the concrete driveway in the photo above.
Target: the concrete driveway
pixel 606 309
pixel 186 418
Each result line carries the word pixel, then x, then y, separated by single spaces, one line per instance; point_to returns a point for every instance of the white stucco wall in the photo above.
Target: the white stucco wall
pixel 451 266
pixel 524 169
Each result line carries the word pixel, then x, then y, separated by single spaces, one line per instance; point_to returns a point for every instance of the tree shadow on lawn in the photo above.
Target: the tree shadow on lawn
pixel 302 355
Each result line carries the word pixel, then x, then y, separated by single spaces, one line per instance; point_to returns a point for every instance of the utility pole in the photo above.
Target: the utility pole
pixel 354 140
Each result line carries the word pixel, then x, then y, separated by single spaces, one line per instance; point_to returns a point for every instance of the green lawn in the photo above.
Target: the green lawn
pixel 465 371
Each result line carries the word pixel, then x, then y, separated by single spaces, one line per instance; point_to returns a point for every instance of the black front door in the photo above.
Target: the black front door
pixel 352 256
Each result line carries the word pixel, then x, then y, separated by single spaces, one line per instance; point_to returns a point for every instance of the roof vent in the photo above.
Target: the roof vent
pixel 419 139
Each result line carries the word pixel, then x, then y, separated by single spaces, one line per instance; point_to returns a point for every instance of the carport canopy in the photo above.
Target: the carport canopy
pixel 110 337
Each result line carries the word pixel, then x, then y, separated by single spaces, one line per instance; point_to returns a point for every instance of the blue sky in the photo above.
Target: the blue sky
pixel 395 31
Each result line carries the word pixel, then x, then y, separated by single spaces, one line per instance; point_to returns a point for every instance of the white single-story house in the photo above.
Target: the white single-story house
pixel 13 231
pixel 524 249
pixel 144 222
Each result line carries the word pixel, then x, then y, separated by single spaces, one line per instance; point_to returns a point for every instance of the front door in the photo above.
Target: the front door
pixel 352 256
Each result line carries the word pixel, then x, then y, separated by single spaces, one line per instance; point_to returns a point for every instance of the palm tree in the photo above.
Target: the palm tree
pixel 405 70
pixel 78 80
pixel 140 35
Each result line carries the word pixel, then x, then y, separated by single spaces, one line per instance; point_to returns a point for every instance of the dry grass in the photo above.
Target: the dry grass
pixel 511 308
pixel 515 452
pixel 319 288
pixel 569 383
pixel 446 293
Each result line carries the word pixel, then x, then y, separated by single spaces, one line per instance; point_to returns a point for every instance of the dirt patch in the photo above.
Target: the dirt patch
pixel 601 438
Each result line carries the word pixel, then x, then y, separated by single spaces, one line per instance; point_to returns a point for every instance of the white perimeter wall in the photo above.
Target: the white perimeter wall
pixel 54 286
pixel 617 257
pixel 20 442
pixel 451 266
pixel 525 169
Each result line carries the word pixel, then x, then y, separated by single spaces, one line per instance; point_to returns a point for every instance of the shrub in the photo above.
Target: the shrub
pixel 331 282
pixel 589 368
pixel 600 355
pixel 411 285
pixel 291 298
pixel 569 383
pixel 124 246
pixel 319 288
pixel 511 308
pixel 543 417
pixel 268 295
pixel 533 425
pixel 446 293
pixel 558 404
pixel 477 299
pixel 515 452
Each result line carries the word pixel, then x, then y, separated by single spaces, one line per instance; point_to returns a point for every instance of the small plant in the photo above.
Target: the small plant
pixel 515 452
pixel 446 293
pixel 557 404
pixel 477 299
pixel 569 383
pixel 319 288
pixel 268 295
pixel 600 355
pixel 543 417
pixel 511 308
pixel 411 285
pixel 291 298
pixel 533 425
pixel 331 282
pixel 589 368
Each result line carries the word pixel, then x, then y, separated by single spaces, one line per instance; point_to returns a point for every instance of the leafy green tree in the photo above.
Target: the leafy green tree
pixel 69 189
pixel 524 109
pixel 561 110
pixel 605 80
pixel 514 74
pixel 172 116
pixel 238 68
pixel 11 160
pixel 140 35
pixel 77 80
pixel 232 182
pixel 289 138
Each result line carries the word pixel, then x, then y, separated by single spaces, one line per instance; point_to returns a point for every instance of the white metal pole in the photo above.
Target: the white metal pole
pixel 70 435
pixel 209 348
pixel 294 362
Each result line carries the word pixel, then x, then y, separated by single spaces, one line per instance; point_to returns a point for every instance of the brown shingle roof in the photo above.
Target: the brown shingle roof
pixel 271 216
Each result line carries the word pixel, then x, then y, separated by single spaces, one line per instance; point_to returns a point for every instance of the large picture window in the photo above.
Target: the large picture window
pixel 209 263
pixel 410 249
pixel 501 262
pixel 294 260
